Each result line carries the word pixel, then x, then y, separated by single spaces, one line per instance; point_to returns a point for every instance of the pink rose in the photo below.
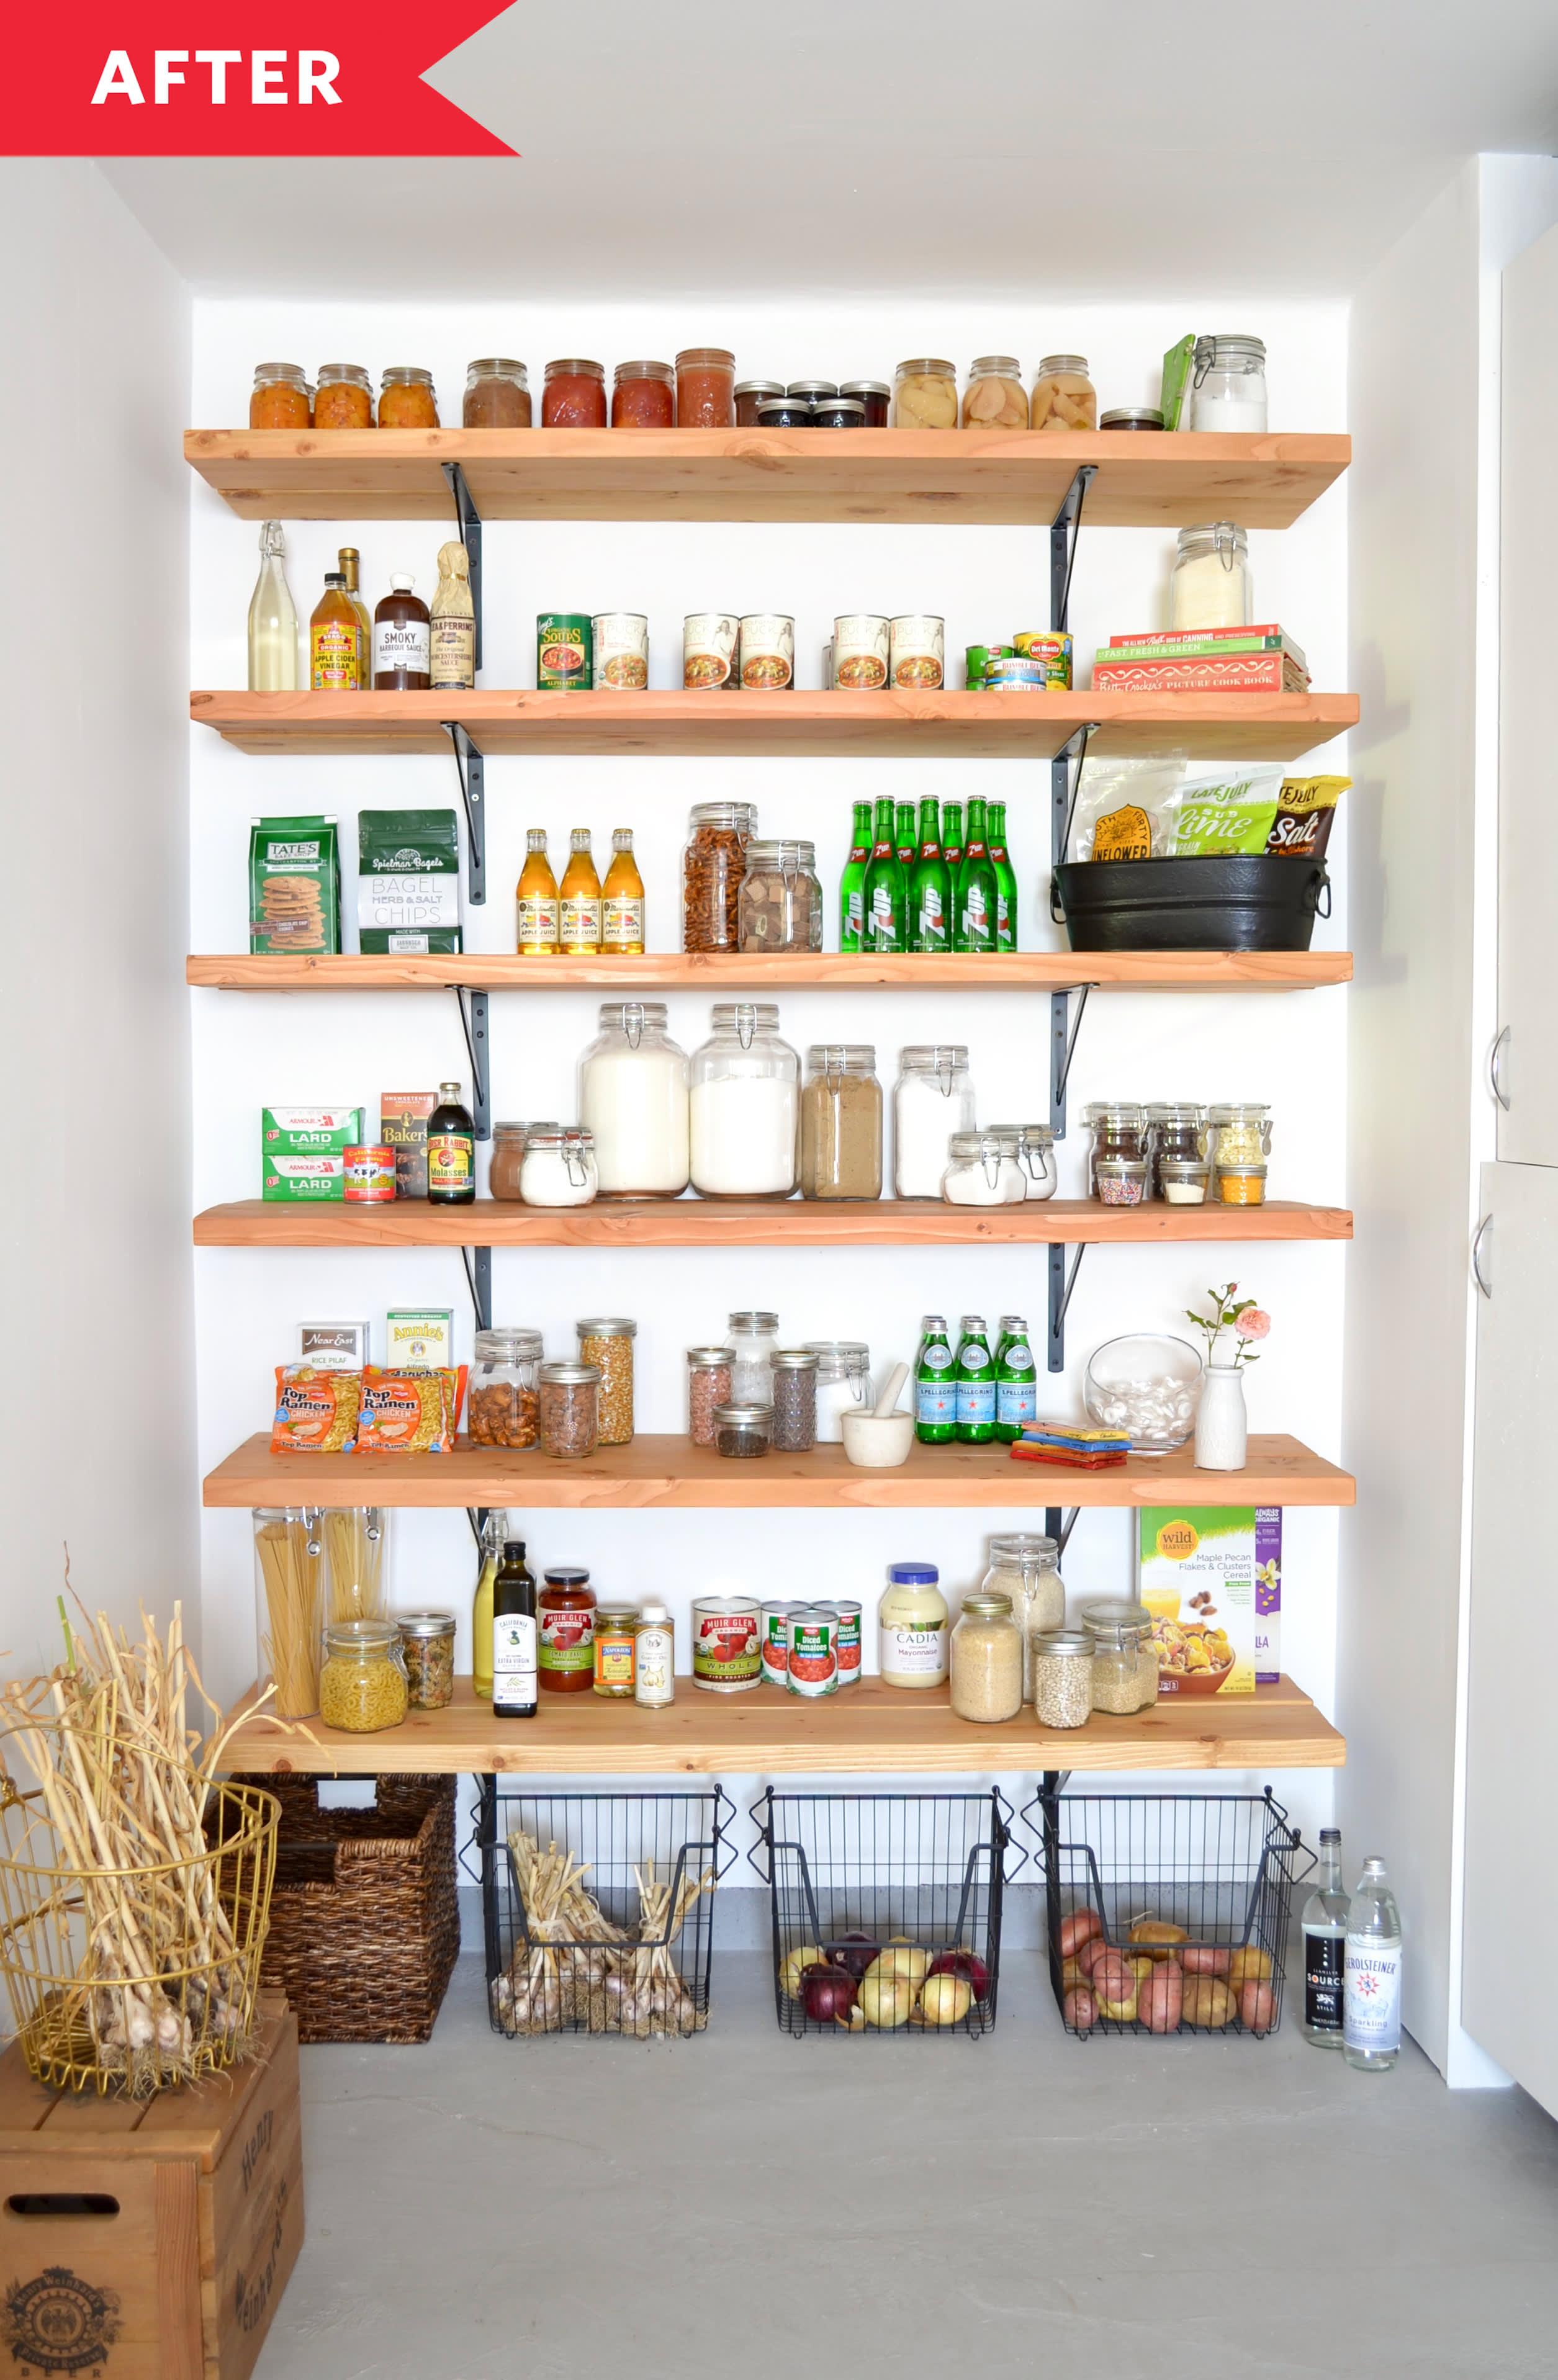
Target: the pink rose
pixel 1252 1323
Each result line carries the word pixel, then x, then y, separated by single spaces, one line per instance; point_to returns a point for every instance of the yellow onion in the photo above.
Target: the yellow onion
pixel 886 2000
pixel 945 2000
pixel 810 1955
pixel 902 1961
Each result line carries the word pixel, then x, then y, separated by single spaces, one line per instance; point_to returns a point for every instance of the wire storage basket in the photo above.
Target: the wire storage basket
pixel 1167 1913
pixel 886 1909
pixel 599 1909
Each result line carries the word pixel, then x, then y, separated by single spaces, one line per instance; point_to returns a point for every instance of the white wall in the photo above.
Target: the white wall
pixel 251 1050
pixel 97 1397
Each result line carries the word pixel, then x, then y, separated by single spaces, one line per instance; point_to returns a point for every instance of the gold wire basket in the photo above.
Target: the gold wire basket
pixel 133 1979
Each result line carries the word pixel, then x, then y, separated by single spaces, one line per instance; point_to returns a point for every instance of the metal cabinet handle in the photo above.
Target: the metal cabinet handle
pixel 1483 1228
pixel 1495 1063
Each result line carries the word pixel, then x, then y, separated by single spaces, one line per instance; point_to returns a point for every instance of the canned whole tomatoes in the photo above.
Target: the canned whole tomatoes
pixel 847 1643
pixel 725 1655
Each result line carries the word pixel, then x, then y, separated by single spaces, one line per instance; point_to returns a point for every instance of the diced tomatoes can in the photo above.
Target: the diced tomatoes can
pixel 813 1670
pixel 726 1659
pixel 848 1643
pixel 774 1639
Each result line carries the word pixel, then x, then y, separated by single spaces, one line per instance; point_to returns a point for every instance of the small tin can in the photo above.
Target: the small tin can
pixel 726 1659
pixel 563 652
pixel 620 651
pixel 847 1643
pixel 709 651
pixel 370 1174
pixel 768 653
pixel 861 643
pixel 774 1634
pixel 1053 649
pixel 813 1669
pixel 977 667
pixel 915 652
pixel 1019 674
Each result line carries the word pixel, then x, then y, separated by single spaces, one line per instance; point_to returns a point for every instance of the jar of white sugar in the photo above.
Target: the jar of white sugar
pixel 933 1097
pixel 745 1104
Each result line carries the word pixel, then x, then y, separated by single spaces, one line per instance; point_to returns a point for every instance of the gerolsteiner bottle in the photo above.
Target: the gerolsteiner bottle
pixel 1371 1983
pixel 514 1675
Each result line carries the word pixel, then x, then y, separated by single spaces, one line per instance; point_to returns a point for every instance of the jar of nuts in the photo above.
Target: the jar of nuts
pixel 606 1340
pixel 925 393
pixel 569 1396
pixel 427 1647
pixel 503 1389
pixel 713 862
pixel 780 902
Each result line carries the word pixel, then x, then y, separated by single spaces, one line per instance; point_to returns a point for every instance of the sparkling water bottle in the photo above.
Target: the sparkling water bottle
pixel 1372 1994
pixel 1325 1936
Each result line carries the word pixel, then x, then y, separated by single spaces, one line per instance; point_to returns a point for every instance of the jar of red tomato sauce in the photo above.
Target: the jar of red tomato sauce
pixel 565 1618
pixel 573 394
pixel 705 389
pixel 643 396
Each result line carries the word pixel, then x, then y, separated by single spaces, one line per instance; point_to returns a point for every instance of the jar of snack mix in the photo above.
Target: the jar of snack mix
pixel 503 1409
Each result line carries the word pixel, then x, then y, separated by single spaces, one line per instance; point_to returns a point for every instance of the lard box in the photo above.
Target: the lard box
pixel 302 1152
pixel 1211 1575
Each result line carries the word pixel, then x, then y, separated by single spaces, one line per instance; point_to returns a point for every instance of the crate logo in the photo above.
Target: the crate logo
pixel 59 2323
pixel 1177 1540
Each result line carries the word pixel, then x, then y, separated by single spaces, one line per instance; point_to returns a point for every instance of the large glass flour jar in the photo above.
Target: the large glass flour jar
pixel 1209 584
pixel 745 1105
pixel 933 1097
pixel 633 1097
pixel 1027 1568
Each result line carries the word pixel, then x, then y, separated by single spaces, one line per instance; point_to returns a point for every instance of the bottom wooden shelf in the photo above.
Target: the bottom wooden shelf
pixel 867 1729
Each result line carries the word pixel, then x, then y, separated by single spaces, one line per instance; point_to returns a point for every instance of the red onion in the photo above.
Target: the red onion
pixel 856 1959
pixel 827 1993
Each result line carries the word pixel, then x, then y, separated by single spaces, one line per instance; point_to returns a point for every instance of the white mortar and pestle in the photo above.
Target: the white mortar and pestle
pixel 880 1441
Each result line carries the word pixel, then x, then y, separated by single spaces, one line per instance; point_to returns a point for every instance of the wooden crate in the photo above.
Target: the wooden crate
pixel 150 2239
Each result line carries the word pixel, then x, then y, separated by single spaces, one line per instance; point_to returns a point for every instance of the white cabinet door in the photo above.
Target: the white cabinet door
pixel 1511 1945
pixel 1527 1057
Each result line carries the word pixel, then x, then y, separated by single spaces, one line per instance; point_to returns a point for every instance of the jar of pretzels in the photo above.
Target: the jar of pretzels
pixel 504 1410
pixel 713 863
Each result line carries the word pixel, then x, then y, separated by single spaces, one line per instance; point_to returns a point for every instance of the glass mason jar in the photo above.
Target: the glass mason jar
pixel 616 1628
pixel 633 1097
pixel 710 1372
pixel 713 862
pixel 363 1686
pixel 1209 585
pixel 1182 1181
pixel 753 1334
pixel 1119 1128
pixel 289 1605
pixel 1120 1181
pixel 1027 1569
pixel 742 1432
pixel 573 394
pixel 643 396
pixel 745 1104
pixel 925 393
pixel 569 1399
pixel 497 395
pixel 844 1384
pixel 344 399
pixel 985 1659
pixel 983 1170
pixel 1228 384
pixel 795 1400
pixel 558 1168
pixel 1241 1184
pixel 1238 1132
pixel 1173 1130
pixel 1064 396
pixel 508 1158
pixel 779 906
pixel 933 1097
pixel 427 1650
pixel 841 1122
pixel 705 389
pixel 874 394
pixel 502 1409
pixel 1124 1655
pixel 995 397
pixel 1035 1155
pixel 407 398
pixel 606 1340
pixel 279 399
pixel 1063 1677
pixel 750 396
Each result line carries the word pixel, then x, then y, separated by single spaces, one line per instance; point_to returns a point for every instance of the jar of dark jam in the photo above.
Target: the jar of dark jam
pixel 749 394
pixel 811 392
pixel 566 1625
pixel 874 394
pixel 783 413
pixel 838 413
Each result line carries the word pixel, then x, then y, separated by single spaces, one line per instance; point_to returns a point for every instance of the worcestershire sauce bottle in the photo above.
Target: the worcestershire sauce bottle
pixel 515 1687
pixel 451 1152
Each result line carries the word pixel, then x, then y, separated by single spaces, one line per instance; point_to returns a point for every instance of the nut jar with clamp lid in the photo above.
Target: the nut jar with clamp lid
pixel 841 1122
pixel 745 1103
pixel 1118 1129
pixel 633 1098
pixel 363 1685
pixel 1026 1568
pixel 933 1097
pixel 503 1408
pixel 1228 384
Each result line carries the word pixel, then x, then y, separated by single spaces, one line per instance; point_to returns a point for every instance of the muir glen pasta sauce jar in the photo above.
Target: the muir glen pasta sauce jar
pixel 565 1623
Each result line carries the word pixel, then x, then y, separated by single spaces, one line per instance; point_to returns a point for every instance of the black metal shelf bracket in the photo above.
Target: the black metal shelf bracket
pixel 1061 1285
pixel 469 521
pixel 1064 531
pixel 1063 787
pixel 478 1265
pixel 1059 1525
pixel 1062 1048
pixel 478 1044
pixel 471 771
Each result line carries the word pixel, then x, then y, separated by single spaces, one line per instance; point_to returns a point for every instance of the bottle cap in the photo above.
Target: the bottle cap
pixel 1330 1834
pixel 652 1609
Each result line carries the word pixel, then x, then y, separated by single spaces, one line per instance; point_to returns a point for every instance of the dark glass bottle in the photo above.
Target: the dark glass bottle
pixel 514 1678
pixel 402 639
pixel 451 1152
pixel 929 899
pixel 885 925
pixel 974 925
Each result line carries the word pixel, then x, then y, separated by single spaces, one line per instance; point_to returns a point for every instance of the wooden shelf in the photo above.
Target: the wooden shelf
pixel 793 970
pixel 762 1223
pixel 672 1474
pixel 958 476
pixel 503 721
pixel 868 1729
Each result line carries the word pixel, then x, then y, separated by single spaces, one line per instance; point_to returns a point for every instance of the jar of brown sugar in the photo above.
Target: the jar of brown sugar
pixel 573 394
pixel 344 399
pixel 509 1156
pixel 705 389
pixel 643 396
pixel 569 1396
pixel 841 1122
pixel 606 1341
pixel 709 1373
pixel 280 398
pixel 497 395
pixel 407 400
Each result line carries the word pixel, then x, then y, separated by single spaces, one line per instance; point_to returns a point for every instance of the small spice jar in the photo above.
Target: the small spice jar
pixel 986 1660
pixel 573 394
pixel 1062 1678
pixel 643 396
pixel 566 1632
pixel 1182 1181
pixel 779 906
pixel 279 399
pixel 742 1432
pixel 407 400
pixel 616 1626
pixel 497 395
pixel 344 399
pixel 1120 1181
pixel 1118 1129
pixel 925 393
pixel 363 1685
pixel 705 389
pixel 503 1410
pixel 1124 1655
pixel 569 1399
pixel 1241 1184
pixel 508 1157
pixel 713 862
pixel 427 1650
pixel 709 1373
pixel 995 397
pixel 795 1400
pixel 1064 397
pixel 841 1122
pixel 876 397
pixel 606 1340
pixel 751 395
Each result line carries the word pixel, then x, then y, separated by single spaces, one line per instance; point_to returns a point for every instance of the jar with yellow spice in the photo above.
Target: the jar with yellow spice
pixel 925 393
pixel 363 1686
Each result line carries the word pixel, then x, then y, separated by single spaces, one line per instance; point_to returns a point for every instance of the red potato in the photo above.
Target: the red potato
pixel 1082 1925
pixel 1204 1959
pixel 1162 1998
pixel 1116 1985
pixel 1080 2008
pixel 1258 2006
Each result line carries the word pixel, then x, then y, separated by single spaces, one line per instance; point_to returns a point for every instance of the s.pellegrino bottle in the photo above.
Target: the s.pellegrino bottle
pixel 1371 1974
pixel 514 1682
pixel 1016 1383
pixel 1324 1922
pixel 929 899
pixel 975 1385
pixel 852 883
pixel 935 1386
pixel 885 924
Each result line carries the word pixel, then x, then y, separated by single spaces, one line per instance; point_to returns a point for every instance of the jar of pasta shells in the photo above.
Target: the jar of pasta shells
pixel 995 397
pixel 427 1647
pixel 606 1341
pixel 713 863
pixel 503 1410
pixel 925 393
pixel 1064 397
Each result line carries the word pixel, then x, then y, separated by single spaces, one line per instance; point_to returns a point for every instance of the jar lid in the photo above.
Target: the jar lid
pixel 574 368
pixel 1230 347
pixel 1131 417
pixel 913 1574
pixel 794 1359
pixel 931 367
pixel 605 1613
pixel 625 1015
pixel 992 1141
pixel 845 1350
pixel 1025 1546
pixel 510 1131
pixel 721 813
pixel 757 1015
pixel 353 374
pixel 1063 364
pixel 645 369
pixel 426 1623
pixel 709 1359
pixel 500 1343
pixel 760 388
pixel 570 1376
pixel 1219 533
pixel 607 1326
pixel 495 368
pixel 567 1574
pixel 812 389
pixel 407 376
pixel 1031 1135
pixel 762 854
pixel 1121 1169
pixel 754 1319
pixel 1182 1168
pixel 770 408
pixel 864 388
pixel 852 406
pixel 1238 1111
pixel 841 1058
pixel 988 1607
pixel 543 1135
pixel 998 367
pixel 696 356
pixel 1064 1645
pixel 265 374
pixel 1119 1111
pixel 1175 1112
pixel 1242 1169
pixel 366 1638
pixel 933 1057
pixel 744 1417
pixel 1116 1615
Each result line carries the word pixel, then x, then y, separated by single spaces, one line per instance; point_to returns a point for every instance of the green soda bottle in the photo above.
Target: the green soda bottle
pixel 1017 1382
pixel 1004 1334
pixel 905 845
pixel 975 1385
pixel 930 891
pixel 935 1392
pixel 1005 880
pixel 852 883
pixel 974 925
pixel 885 926
pixel 952 852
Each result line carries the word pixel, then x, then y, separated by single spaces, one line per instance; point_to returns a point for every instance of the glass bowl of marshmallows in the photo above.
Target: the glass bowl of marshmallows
pixel 1148 1386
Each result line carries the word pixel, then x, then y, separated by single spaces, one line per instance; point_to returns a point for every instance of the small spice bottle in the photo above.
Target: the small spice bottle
pixel 566 1618
pixel 569 1398
pixel 606 1341
pixel 344 399
pixel 497 395
pixel 986 1660
pixel 705 389
pixel 616 1626
pixel 654 1657
pixel 427 1648
pixel 406 399
pixel 1062 1678
pixel 795 1400
pixel 743 1431
pixel 280 397
pixel 573 394
pixel 709 1373
pixel 643 396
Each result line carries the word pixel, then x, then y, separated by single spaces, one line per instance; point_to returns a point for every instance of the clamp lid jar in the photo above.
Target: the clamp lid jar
pixel 844 1384
pixel 633 1097
pixel 503 1410
pixel 744 1101
pixel 363 1686
pixel 1025 1567
pixel 1228 383
pixel 983 1170
pixel 841 1122
pixel 1209 585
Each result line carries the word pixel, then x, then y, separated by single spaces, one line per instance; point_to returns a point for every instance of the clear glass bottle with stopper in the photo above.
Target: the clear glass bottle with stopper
pixel 1325 1937
pixel 273 619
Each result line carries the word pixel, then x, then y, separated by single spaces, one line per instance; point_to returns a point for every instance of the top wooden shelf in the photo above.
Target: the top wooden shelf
pixel 1165 480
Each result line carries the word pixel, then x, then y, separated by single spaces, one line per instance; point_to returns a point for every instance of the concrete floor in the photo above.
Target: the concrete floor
pixel 748 2207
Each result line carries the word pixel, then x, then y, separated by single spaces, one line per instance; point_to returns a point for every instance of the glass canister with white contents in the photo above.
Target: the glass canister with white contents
pixel 559 1166
pixel 933 1097
pixel 1026 1567
pixel 1035 1155
pixel 745 1105
pixel 753 1334
pixel 633 1098
pixel 1228 383
pixel 844 1384
pixel 1209 585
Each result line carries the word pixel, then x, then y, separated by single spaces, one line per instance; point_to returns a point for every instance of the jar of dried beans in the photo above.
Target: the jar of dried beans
pixel 795 1400
pixel 504 1409
pixel 643 396
pixel 427 1647
pixel 606 1340
pixel 708 1371
pixel 705 389
pixel 569 1399
pixel 713 863
pixel 344 399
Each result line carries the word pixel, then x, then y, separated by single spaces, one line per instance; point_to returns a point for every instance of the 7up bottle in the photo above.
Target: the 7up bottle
pixel 1016 1385
pixel 852 883
pixel 974 925
pixel 1005 880
pixel 930 891
pixel 885 924
pixel 975 1385
pixel 935 1393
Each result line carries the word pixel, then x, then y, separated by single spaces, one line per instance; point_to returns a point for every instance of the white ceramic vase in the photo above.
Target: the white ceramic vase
pixel 1221 1424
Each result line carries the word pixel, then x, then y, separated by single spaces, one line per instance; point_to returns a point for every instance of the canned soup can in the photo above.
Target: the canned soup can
pixel 917 651
pixel 726 1659
pixel 768 653
pixel 861 641
pixel 774 1634
pixel 814 1652
pixel 709 651
pixel 848 1643
pixel 621 650
pixel 562 649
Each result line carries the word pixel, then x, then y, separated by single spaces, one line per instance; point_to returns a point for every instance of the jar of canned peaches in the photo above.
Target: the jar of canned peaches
pixel 344 399
pixel 995 397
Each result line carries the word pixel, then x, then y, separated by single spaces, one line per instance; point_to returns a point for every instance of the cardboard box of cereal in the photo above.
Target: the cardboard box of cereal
pixel 1199 1578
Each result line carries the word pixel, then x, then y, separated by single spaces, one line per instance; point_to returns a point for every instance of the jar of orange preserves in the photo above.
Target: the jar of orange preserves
pixel 705 389
pixel 344 399
pixel 407 398
pixel 280 398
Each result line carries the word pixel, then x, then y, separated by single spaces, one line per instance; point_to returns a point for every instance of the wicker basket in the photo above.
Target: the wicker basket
pixel 365 1924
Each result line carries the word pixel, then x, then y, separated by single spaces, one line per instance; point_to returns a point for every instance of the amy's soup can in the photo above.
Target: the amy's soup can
pixel 726 1655
pixel 564 645
pixel 860 651
pixel 768 653
pixel 709 651
pixel 916 651
pixel 620 657
pixel 813 1669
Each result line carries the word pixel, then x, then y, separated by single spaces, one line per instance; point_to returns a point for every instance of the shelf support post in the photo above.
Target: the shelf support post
pixel 1064 531
pixel 478 1042
pixel 1062 1283
pixel 478 1265
pixel 469 521
pixel 1063 789
pixel 470 769
pixel 1063 1047
pixel 1059 1525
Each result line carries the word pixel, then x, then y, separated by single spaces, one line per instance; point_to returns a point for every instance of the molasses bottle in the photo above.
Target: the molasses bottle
pixel 402 639
pixel 451 1152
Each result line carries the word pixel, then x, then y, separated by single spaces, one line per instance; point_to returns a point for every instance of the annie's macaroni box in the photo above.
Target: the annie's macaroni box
pixel 1211 1575
pixel 302 1152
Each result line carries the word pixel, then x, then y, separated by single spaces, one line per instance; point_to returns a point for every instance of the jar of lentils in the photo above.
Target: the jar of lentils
pixel 708 1371
pixel 795 1400
pixel 606 1341
pixel 569 1397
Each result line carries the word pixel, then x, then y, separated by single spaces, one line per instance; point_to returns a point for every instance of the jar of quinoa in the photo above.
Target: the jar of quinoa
pixel 708 1371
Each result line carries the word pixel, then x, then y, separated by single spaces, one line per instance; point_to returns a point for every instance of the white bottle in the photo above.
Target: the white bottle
pixel 1372 1994
pixel 273 620
pixel 654 1644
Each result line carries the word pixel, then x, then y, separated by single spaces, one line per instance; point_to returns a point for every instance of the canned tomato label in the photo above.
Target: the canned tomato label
pixel 708 650
pixel 1051 648
pixel 369 1174
pixel 847 1643
pixel 725 1654
pixel 563 648
pixel 861 643
pixel 620 651
pixel 775 1637
pixel 768 653
pixel 813 1669
pixel 917 646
